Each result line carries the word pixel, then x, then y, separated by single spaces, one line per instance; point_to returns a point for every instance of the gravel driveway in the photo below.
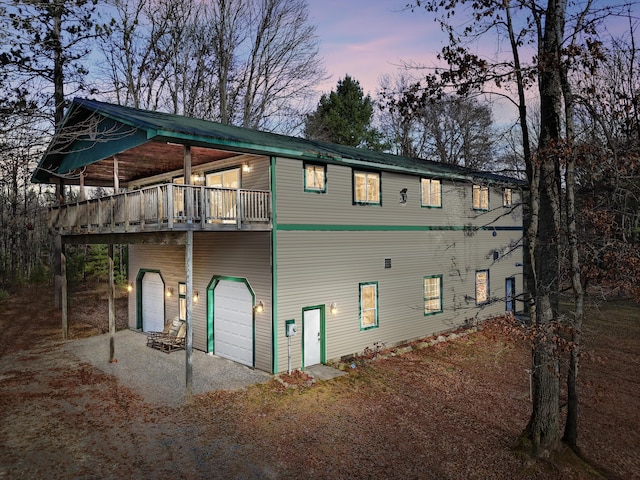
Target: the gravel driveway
pixel 158 377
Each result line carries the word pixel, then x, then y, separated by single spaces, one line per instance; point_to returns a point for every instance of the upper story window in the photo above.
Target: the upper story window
pixel 432 294
pixel 482 286
pixel 431 192
pixel 506 197
pixel 315 178
pixel 224 179
pixel 368 305
pixel 480 197
pixel 366 188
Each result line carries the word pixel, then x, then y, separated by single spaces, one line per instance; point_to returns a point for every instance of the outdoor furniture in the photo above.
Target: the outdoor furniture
pixel 170 339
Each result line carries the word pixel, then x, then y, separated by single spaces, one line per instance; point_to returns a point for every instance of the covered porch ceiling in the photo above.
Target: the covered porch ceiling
pixel 146 160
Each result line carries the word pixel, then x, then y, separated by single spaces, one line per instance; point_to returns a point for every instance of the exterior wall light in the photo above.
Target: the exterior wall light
pixel 333 308
pixel 259 308
pixel 169 292
pixel 130 287
pixel 246 168
pixel 196 296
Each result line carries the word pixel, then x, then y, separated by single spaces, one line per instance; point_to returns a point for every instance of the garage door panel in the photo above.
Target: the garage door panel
pixel 152 302
pixel 233 321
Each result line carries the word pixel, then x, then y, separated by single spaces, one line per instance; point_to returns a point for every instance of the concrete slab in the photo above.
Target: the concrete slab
pixel 323 372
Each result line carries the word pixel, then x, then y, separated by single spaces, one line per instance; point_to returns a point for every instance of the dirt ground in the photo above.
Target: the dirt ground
pixel 450 411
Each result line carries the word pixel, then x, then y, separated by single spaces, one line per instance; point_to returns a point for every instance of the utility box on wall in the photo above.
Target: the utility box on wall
pixel 290 328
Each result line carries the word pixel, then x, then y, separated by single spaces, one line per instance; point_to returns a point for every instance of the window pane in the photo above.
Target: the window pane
pixel 183 308
pixel 482 287
pixel 182 289
pixel 435 193
pixel 214 180
pixel 485 198
pixel 368 305
pixel 319 177
pixel 230 179
pixel 506 197
pixel 373 188
pixel 426 191
pixel 314 177
pixel 361 187
pixel 368 297
pixel 432 301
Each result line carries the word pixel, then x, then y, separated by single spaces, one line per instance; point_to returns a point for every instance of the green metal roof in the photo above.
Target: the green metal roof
pixel 121 128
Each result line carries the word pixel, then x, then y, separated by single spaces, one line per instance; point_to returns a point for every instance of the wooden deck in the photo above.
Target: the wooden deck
pixel 166 207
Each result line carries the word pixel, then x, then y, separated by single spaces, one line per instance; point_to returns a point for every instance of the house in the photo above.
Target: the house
pixel 279 251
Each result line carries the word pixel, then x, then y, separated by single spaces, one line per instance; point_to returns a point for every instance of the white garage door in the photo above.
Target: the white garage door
pixel 233 321
pixel 152 302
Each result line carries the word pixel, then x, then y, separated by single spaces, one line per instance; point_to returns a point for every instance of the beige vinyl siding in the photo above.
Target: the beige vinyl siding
pixel 231 254
pixel 258 176
pixel 295 206
pixel 321 267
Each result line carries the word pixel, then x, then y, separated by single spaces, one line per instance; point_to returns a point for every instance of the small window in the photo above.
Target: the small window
pixel 482 287
pixel 366 188
pixel 432 294
pixel 431 192
pixel 506 197
pixel 480 197
pixel 182 301
pixel 315 178
pixel 368 305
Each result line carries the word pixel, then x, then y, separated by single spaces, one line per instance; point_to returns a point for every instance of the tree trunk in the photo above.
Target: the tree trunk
pixel 543 428
pixel 58 74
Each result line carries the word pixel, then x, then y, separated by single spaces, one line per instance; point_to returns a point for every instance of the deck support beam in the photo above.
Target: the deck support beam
pixel 188 260
pixel 188 181
pixel 112 307
pixel 63 295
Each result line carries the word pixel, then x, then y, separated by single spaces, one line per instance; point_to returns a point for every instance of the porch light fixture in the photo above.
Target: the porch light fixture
pixel 333 308
pixel 196 296
pixel 259 308
pixel 169 292
pixel 246 168
pixel 130 287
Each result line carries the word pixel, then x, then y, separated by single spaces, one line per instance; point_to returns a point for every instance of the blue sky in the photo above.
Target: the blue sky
pixel 367 38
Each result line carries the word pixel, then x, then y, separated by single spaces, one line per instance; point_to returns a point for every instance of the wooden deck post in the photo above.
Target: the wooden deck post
pixel 57 270
pixel 63 295
pixel 188 260
pixel 112 308
pixel 82 194
pixel 116 180
pixel 187 181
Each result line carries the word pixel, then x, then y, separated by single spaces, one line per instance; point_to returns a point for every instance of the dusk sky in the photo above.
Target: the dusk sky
pixel 367 38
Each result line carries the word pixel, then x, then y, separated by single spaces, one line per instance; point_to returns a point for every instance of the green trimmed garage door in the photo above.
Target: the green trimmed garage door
pixel 233 321
pixel 152 302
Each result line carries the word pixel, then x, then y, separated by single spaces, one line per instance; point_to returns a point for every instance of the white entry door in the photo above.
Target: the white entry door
pixel 152 302
pixel 233 321
pixel 311 334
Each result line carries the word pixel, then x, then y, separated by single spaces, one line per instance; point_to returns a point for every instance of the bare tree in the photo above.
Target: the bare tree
pixel 244 62
pixel 561 35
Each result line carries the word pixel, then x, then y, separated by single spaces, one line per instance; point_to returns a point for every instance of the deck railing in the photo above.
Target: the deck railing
pixel 165 207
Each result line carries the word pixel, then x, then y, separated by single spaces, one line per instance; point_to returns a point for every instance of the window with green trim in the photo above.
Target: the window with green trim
pixel 431 192
pixel 182 301
pixel 506 197
pixel 482 286
pixel 366 188
pixel 432 294
pixel 315 178
pixel 368 305
pixel 480 197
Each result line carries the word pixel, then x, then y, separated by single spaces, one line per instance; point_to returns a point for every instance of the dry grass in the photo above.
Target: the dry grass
pixel 454 410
